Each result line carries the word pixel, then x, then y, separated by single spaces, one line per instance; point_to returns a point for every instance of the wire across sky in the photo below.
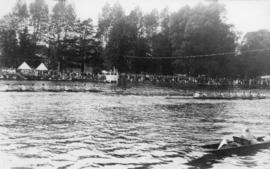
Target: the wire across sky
pixel 200 56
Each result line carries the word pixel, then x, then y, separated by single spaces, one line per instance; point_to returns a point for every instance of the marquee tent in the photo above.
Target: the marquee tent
pixel 24 66
pixel 42 67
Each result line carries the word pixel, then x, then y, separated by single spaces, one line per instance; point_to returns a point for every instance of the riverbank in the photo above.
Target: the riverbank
pixel 109 89
pixel 68 86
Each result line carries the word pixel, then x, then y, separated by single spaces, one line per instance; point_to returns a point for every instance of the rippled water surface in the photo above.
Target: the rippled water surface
pixel 94 130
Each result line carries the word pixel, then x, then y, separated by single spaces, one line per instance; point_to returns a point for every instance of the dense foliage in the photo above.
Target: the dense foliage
pixel 59 39
pixel 135 42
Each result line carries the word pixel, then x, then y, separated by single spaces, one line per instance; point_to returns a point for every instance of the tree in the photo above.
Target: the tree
pixel 136 20
pixel 26 48
pixel 139 46
pixel 20 16
pixel 253 64
pixel 39 19
pixel 104 23
pixel 162 48
pixel 119 45
pixel 107 19
pixel 201 31
pixel 178 21
pixel 88 47
pixel 151 23
pixel 63 20
pixel 12 25
pixel 9 47
pixel 162 45
pixel 114 29
pixel 62 25
pixel 39 22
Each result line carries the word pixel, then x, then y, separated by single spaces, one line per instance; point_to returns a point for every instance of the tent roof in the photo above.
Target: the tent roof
pixel 41 67
pixel 24 66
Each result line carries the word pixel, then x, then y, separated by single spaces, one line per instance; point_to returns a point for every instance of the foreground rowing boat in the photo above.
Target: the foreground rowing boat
pixel 214 155
pixel 213 148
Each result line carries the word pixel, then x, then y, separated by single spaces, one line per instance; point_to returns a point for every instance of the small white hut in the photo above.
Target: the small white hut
pixel 42 67
pixel 24 68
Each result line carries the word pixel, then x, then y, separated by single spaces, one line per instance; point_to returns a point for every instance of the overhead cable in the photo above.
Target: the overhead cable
pixel 199 56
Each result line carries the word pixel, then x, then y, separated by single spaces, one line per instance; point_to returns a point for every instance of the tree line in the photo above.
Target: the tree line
pixel 134 42
pixel 33 34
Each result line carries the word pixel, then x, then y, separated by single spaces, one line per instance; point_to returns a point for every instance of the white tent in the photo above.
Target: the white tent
pixel 24 66
pixel 42 67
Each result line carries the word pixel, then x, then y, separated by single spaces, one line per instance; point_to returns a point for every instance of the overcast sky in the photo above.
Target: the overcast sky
pixel 246 15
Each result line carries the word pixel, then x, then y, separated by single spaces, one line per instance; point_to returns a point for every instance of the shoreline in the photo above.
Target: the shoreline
pixel 110 88
pixel 88 87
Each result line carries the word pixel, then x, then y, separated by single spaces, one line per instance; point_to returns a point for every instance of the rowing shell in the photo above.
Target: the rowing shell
pixel 212 148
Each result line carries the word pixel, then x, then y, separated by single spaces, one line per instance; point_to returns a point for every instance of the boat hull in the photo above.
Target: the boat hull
pixel 236 150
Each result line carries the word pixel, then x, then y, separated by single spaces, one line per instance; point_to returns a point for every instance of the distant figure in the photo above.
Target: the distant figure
pixel 248 136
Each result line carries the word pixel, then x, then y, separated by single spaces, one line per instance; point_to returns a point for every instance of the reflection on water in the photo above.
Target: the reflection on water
pixel 87 130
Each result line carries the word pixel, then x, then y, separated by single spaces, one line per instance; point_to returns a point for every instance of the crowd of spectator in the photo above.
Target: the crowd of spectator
pixel 8 74
pixel 188 81
pixel 135 79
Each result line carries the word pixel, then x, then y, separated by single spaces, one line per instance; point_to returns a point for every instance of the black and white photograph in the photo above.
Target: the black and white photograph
pixel 134 84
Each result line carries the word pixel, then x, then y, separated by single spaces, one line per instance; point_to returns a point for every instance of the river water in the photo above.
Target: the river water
pixel 43 130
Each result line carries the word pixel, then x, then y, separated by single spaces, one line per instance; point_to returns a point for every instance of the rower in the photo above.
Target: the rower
pixel 248 136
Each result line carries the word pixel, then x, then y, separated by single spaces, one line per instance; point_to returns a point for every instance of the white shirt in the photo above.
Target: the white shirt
pixel 248 136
